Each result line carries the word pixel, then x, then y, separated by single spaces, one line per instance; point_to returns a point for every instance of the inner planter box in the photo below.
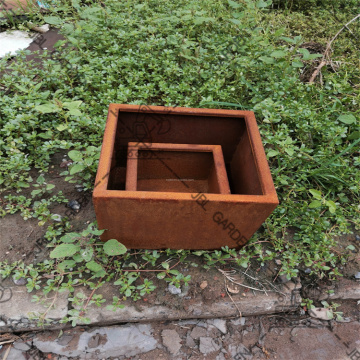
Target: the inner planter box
pixel 176 168
pixel 156 218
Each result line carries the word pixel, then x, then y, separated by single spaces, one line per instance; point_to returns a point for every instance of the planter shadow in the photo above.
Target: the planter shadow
pixel 140 200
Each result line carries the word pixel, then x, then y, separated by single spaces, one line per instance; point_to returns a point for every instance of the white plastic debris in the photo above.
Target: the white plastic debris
pixel 12 41
pixel 40 29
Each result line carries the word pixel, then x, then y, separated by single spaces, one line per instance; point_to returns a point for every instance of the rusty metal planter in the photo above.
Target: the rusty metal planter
pixel 182 219
pixel 176 168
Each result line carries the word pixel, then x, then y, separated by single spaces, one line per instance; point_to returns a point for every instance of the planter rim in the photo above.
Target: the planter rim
pixel 157 195
pixel 100 189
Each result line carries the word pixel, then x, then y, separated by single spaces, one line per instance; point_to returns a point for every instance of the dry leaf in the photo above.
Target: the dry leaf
pixel 233 291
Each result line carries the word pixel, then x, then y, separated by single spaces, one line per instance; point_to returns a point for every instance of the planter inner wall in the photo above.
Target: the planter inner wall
pixel 230 133
pixel 176 171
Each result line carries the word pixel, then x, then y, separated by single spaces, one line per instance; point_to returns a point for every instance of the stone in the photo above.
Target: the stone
pixel 197 332
pixel 20 345
pixel 16 354
pixel 127 340
pixel 79 188
pixel 256 350
pixel 208 345
pixel 21 281
pixel 294 332
pixel 219 324
pixel 220 357
pixel 74 205
pixel 64 339
pixel 343 320
pixel 357 237
pixel 171 340
pixel 190 341
pixel 239 321
pixel 240 352
pixel 174 290
pixel 307 271
pixel 357 275
pixel 187 322
pixel 321 313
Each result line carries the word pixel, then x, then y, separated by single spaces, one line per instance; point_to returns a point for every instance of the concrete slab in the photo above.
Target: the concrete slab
pixel 17 309
pixel 344 289
pixel 103 343
pixel 257 304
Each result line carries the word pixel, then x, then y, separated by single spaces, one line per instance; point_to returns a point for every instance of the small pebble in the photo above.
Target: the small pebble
pixel 357 237
pixel 357 275
pixel 174 290
pixel 79 188
pixel 56 217
pixel 20 281
pixel 344 320
pixel 65 164
pixel 74 205
pixel 307 271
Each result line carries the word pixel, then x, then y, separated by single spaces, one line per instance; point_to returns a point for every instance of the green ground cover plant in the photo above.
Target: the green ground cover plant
pixel 245 54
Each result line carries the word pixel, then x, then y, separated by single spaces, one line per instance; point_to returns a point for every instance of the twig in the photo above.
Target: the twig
pixel 30 233
pixel 52 303
pixel 232 298
pixel 277 275
pixel 327 50
pixel 274 287
pixel 255 279
pixel 7 342
pixel 7 352
pixel 233 281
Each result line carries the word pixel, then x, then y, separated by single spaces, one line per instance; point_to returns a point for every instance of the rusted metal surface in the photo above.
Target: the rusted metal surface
pixel 181 219
pixel 176 168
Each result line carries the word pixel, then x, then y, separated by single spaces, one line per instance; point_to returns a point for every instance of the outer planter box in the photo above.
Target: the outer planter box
pixel 182 220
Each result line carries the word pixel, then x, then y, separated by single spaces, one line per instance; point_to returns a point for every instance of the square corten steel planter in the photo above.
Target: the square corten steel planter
pixel 156 213
pixel 176 168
